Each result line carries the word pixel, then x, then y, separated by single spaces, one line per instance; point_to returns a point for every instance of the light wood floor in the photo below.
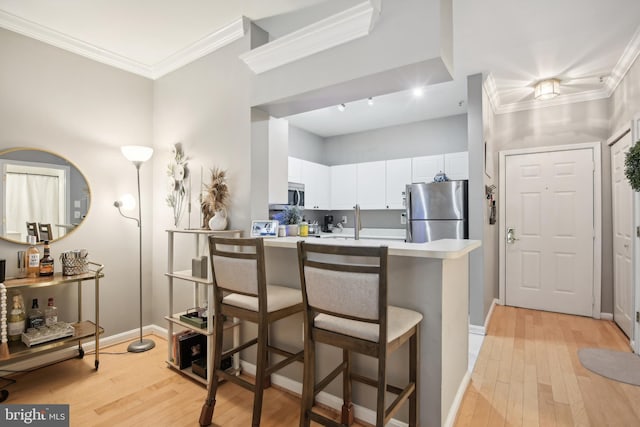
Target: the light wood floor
pixel 139 390
pixel 528 374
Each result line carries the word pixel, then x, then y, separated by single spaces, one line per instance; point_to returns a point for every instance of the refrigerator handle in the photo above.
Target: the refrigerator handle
pixel 407 204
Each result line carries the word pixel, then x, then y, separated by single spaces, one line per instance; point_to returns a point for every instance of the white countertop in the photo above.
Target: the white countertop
pixel 442 249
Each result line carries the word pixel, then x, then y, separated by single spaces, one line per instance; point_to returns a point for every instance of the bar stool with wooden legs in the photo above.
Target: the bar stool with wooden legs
pixel 344 289
pixel 241 291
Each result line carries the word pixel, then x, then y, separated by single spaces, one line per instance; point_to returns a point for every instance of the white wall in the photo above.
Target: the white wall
pixel 624 104
pixel 424 138
pixel 306 145
pixel 567 124
pixel 84 111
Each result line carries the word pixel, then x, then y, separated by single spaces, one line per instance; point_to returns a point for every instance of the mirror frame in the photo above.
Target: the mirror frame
pixel 71 164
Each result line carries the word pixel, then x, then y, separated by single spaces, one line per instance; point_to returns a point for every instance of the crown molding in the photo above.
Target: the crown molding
pixel 204 46
pixel 335 30
pixel 624 63
pixel 71 44
pixel 534 104
pixel 214 41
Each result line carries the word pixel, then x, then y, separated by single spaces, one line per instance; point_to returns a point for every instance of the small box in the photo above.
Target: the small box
pixel 193 318
pixel 199 267
pixel 199 367
pixel 192 346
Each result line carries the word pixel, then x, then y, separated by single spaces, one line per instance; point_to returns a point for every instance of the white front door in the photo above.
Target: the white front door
pixel 549 250
pixel 622 198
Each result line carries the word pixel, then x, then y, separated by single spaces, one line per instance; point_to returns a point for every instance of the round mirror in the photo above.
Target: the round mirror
pixel 43 195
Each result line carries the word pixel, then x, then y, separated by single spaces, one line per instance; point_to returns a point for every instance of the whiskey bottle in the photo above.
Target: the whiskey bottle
pixel 32 256
pixel 36 317
pixel 16 318
pixel 51 313
pixel 46 263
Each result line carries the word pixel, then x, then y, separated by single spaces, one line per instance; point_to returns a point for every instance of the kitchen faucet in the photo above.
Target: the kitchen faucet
pixel 358 223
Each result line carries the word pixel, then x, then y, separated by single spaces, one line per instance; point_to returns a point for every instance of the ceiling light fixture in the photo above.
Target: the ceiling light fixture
pixel 547 89
pixel 370 101
pixel 418 92
pixel 342 107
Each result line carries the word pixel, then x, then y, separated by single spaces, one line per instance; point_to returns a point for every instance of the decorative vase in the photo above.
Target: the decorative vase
pixel 218 221
pixel 292 229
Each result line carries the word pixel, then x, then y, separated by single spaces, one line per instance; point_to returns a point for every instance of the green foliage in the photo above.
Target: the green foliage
pixel 632 166
pixel 291 215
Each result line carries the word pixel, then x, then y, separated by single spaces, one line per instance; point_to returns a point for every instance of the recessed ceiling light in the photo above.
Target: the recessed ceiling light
pixel 370 101
pixel 342 107
pixel 418 92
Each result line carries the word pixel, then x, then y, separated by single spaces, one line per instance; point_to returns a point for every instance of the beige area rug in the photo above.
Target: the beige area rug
pixel 616 365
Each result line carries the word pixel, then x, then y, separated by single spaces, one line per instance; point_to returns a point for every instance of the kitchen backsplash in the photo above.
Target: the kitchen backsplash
pixel 370 219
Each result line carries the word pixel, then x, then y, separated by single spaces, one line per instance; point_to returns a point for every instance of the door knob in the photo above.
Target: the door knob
pixel 511 235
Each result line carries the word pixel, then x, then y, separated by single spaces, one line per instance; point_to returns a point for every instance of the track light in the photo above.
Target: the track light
pixel 370 101
pixel 342 107
pixel 418 92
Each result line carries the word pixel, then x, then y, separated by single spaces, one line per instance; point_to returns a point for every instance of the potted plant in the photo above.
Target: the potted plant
pixel 290 216
pixel 215 201
pixel 632 166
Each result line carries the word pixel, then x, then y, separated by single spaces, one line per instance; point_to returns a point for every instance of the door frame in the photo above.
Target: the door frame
pixel 597 216
pixel 634 243
pixel 635 338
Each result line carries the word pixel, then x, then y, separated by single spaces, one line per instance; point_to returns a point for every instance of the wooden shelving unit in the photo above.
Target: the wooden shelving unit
pixel 200 286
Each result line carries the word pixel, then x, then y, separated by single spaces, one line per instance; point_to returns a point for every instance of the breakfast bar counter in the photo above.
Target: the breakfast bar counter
pixel 431 278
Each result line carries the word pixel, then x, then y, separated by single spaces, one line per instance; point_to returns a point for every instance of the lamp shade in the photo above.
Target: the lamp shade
pixel 137 153
pixel 547 89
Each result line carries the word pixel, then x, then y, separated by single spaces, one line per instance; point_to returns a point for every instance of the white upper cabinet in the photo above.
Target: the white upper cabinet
pixel 423 169
pixel 343 187
pixel 295 170
pixel 371 185
pixel 398 176
pixel 456 165
pixel 315 178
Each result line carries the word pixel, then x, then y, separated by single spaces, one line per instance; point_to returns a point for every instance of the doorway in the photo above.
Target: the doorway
pixel 622 216
pixel 550 229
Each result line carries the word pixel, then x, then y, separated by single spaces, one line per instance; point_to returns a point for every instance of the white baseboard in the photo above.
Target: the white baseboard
pixel 482 330
pixel 457 401
pixel 606 316
pixel 326 399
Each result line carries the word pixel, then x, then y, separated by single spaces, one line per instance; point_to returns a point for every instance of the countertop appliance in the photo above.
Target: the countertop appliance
pixel 437 210
pixel 327 225
pixel 295 197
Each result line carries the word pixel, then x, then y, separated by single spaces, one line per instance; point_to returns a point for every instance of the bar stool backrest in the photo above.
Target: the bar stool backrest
pixel 238 265
pixel 344 281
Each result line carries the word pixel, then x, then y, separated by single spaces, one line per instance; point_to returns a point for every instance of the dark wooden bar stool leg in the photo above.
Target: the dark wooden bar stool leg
pixel 382 388
pixel 308 382
pixel 206 413
pixel 260 372
pixel 413 377
pixel 347 406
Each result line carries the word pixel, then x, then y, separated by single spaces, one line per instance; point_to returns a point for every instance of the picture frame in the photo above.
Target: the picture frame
pixel 263 228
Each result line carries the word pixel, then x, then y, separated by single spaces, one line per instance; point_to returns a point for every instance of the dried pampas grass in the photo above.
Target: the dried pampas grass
pixel 215 196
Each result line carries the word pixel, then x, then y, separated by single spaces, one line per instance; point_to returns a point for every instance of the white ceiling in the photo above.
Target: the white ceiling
pixel 517 42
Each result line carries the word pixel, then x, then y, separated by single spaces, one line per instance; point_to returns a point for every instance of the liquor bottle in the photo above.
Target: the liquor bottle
pixel 16 318
pixel 50 313
pixel 36 317
pixel 46 263
pixel 32 258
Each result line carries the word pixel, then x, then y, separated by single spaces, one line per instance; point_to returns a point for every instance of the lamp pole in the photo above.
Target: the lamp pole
pixel 142 344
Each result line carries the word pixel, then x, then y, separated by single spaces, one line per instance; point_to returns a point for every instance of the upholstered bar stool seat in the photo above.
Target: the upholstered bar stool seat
pixel 401 320
pixel 278 297
pixel 240 291
pixel 344 290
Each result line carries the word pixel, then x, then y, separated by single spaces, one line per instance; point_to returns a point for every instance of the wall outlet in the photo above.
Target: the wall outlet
pixel 76 214
pixel 76 204
pixel 403 218
pixel 344 219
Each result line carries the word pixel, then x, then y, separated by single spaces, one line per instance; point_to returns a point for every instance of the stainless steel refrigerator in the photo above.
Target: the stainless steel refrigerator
pixel 437 210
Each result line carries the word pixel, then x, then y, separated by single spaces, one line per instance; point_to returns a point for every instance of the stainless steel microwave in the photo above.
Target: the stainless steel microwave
pixel 296 195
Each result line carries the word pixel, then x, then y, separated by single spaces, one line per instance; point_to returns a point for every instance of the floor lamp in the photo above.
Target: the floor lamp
pixel 137 155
